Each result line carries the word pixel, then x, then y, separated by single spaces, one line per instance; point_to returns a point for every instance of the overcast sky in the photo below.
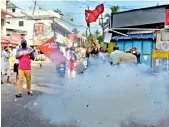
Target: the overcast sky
pixel 75 9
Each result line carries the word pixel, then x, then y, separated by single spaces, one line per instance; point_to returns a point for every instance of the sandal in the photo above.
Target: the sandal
pixel 30 93
pixel 18 95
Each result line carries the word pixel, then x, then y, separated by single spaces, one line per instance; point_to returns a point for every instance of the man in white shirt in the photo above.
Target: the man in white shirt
pixel 115 56
pixel 5 64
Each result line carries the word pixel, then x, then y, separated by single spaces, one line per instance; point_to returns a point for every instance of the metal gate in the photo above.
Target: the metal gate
pixel 145 48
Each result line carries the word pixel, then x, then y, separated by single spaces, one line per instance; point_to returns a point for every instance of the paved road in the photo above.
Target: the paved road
pixel 15 112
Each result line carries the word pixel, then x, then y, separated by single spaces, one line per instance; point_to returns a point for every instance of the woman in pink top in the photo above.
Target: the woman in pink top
pixel 71 64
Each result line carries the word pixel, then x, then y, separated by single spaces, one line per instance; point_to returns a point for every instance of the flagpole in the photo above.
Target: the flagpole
pixel 88 24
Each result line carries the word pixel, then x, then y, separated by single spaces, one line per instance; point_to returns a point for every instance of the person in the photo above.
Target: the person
pixel 16 65
pixel 71 64
pixel 106 56
pixel 115 56
pixel 24 55
pixel 101 54
pixel 137 54
pixel 5 64
pixel 128 57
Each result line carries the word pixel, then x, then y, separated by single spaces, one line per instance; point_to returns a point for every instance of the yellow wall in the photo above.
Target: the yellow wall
pixel 110 47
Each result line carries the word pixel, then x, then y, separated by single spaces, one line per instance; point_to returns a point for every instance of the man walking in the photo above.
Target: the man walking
pixel 5 64
pixel 24 55
pixel 115 56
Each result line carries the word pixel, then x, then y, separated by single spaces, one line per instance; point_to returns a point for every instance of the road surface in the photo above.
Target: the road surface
pixel 15 112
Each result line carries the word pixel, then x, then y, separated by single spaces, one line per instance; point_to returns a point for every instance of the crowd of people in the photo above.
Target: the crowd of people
pixel 117 56
pixel 131 56
pixel 24 55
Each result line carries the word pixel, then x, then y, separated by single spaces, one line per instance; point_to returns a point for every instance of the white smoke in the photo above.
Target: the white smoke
pixel 107 96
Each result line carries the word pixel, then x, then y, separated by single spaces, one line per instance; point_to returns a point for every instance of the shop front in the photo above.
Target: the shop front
pixel 144 42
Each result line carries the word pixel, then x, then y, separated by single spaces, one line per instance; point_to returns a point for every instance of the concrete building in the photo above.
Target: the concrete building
pixel 143 27
pixel 38 27
pixel 4 13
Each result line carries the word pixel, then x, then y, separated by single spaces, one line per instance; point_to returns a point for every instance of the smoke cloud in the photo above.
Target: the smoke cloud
pixel 108 96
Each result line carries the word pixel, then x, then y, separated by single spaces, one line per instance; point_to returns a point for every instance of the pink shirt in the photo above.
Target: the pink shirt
pixel 24 61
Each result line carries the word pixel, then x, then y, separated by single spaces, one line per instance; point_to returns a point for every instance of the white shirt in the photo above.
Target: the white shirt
pixel 101 55
pixel 14 54
pixel 5 60
pixel 115 56
pixel 106 56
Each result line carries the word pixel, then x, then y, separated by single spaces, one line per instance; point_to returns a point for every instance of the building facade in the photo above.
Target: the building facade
pixel 143 27
pixel 4 13
pixel 38 27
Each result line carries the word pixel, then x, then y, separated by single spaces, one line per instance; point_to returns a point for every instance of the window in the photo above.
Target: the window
pixel 13 9
pixel 21 23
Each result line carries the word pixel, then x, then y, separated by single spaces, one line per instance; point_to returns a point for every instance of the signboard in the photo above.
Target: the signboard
pixel 38 33
pixel 107 37
pixel 160 54
pixel 15 38
pixel 167 18
pixel 164 45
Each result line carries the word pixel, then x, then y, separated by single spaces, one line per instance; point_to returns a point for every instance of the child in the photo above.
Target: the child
pixel 62 69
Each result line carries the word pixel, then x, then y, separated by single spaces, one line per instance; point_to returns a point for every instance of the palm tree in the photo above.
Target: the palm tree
pixel 75 31
pixel 97 33
pixel 113 9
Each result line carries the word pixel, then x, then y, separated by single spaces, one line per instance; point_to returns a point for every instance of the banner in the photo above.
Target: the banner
pixel 15 38
pixel 38 33
pixel 167 18
pixel 49 48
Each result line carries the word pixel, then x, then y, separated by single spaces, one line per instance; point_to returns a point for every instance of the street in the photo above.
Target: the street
pixel 15 112
pixel 56 101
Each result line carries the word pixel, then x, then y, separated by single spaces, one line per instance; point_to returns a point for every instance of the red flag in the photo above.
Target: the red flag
pixel 167 18
pixel 92 15
pixel 49 48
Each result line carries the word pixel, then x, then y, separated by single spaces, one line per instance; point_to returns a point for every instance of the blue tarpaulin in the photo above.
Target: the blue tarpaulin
pixel 135 36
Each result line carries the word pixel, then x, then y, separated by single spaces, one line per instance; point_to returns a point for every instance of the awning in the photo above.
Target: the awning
pixel 4 43
pixel 135 36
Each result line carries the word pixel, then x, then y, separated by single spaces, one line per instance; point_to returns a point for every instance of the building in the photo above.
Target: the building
pixel 144 28
pixel 4 13
pixel 38 27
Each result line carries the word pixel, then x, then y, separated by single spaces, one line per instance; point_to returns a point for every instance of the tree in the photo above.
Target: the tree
pixel 113 9
pixel 97 33
pixel 75 31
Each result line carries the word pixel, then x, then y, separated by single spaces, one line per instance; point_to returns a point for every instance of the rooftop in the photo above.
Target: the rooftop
pixel 146 8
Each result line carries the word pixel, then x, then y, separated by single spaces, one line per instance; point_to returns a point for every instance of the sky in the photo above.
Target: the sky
pixel 75 9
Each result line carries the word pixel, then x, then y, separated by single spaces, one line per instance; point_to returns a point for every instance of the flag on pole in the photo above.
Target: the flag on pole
pixel 92 15
pixel 49 48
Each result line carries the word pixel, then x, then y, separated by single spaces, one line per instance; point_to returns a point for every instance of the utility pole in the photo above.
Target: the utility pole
pixel 89 25
pixel 34 8
pixel 102 26
pixel 54 30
